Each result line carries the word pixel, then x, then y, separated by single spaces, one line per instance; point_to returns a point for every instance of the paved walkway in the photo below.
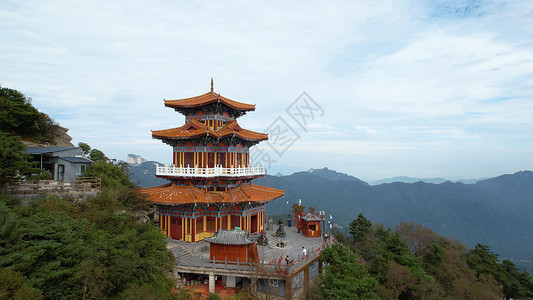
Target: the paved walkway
pixel 197 254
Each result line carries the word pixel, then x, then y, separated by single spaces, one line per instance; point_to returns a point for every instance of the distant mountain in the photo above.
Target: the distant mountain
pixel 134 159
pixel 332 175
pixel 142 172
pixel 435 180
pixel 406 179
pixel 496 212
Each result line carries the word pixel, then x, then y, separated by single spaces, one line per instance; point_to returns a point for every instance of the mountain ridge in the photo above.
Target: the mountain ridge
pixel 494 211
pixel 485 212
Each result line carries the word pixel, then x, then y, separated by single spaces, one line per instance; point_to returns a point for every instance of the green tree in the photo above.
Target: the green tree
pixel 14 286
pixel 97 156
pixel 92 249
pixel 516 284
pixel 19 117
pixel 45 247
pixel 359 228
pixel 14 163
pixel 85 148
pixel 345 277
pixel 112 175
pixel 484 261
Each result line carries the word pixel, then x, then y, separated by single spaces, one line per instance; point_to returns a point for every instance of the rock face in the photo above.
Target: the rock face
pixel 61 138
pixel 135 159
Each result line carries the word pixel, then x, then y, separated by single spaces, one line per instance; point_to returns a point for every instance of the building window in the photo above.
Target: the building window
pixel 312 227
pixel 80 169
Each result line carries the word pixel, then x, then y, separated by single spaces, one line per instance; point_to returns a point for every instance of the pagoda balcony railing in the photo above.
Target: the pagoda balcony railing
pixel 217 171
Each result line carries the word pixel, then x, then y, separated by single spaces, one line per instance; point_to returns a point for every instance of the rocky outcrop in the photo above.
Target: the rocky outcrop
pixel 60 138
pixel 135 159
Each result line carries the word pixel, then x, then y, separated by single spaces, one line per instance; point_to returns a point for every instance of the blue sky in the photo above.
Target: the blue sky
pixel 416 88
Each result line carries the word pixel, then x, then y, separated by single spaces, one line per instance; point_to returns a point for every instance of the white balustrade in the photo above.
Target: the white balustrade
pixel 217 171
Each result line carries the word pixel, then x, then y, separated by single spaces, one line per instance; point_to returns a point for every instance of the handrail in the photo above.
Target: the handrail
pixel 275 266
pixel 81 184
pixel 217 171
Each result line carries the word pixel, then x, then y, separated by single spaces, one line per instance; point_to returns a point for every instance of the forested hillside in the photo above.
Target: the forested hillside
pixel 60 247
pixel 494 212
pixel 412 262
pixel 18 117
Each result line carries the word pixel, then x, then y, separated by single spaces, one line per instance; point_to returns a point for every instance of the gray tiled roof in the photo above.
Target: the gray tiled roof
pixel 42 150
pixel 77 160
pixel 311 217
pixel 231 237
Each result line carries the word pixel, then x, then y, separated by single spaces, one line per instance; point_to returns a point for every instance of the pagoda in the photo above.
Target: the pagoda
pixel 210 176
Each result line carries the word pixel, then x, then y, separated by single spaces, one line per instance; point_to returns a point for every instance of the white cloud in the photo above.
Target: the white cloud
pixel 398 80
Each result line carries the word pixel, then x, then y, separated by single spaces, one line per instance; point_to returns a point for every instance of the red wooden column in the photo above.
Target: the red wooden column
pixel 193 229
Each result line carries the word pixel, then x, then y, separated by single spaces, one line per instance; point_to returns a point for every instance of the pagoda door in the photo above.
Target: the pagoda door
pixel 175 228
pixel 254 224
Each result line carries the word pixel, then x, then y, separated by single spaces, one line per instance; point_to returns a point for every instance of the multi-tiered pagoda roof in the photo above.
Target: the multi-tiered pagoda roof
pixel 210 175
pixel 195 128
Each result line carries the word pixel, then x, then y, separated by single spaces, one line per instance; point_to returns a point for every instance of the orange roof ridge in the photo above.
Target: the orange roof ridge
pixel 242 191
pixel 185 131
pixel 171 194
pixel 208 98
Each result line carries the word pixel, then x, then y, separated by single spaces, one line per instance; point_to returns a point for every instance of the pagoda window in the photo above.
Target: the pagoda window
pixel 210 159
pixel 221 159
pixel 188 160
pixel 199 225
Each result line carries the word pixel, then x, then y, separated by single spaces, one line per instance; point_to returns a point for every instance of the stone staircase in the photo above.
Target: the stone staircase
pixel 273 241
pixel 178 251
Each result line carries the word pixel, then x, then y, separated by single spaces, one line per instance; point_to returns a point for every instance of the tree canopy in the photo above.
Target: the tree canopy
pixel 19 117
pixel 92 249
pixel 14 163
pixel 413 262
pixel 345 276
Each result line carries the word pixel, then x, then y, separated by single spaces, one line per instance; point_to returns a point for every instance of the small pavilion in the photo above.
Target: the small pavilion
pixel 233 246
pixel 311 225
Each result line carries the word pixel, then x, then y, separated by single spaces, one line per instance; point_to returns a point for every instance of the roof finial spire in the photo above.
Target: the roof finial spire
pixel 211 84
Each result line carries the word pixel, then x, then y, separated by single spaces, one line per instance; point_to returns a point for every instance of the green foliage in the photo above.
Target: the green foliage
pixel 13 161
pixel 516 284
pixel 97 156
pixel 46 247
pixel 85 148
pixel 112 175
pixel 345 276
pixel 92 249
pixel 359 228
pixel 413 262
pixel 19 117
pixel 483 261
pixel 14 286
pixel 213 297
